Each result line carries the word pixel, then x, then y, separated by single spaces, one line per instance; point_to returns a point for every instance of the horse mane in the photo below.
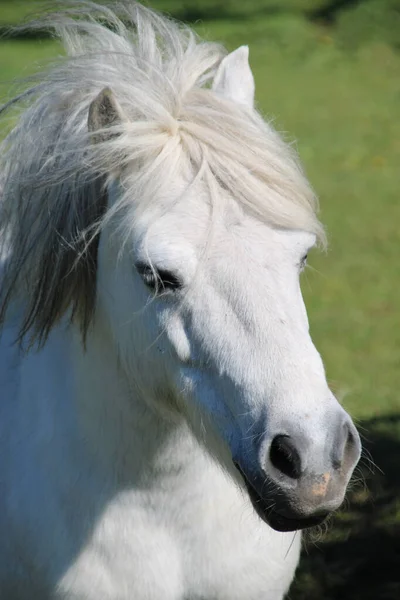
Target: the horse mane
pixel 55 175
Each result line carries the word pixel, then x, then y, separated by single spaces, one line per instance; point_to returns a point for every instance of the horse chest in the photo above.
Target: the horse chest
pixel 192 536
pixel 228 553
pixel 204 543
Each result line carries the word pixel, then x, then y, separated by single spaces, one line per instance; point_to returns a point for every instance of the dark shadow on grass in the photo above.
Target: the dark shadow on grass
pixel 359 557
pixel 330 10
pixel 192 11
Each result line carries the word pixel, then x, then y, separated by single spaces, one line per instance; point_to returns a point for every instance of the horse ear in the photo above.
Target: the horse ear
pixel 104 112
pixel 234 79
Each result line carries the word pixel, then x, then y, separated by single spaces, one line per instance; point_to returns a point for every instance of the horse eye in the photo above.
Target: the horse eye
pixel 158 280
pixel 303 262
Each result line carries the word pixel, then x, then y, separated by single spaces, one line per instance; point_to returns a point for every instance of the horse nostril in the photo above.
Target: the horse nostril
pixel 347 447
pixel 285 457
pixel 352 447
pixel 351 439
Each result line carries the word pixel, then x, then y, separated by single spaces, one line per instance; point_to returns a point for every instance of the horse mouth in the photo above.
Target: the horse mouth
pixel 267 512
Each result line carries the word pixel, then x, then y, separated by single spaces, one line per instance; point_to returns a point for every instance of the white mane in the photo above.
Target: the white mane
pixel 54 175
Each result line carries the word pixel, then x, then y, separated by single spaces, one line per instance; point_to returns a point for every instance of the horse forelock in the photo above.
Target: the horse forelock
pixel 54 190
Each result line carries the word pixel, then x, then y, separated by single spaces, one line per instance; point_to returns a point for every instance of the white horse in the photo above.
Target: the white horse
pixel 165 421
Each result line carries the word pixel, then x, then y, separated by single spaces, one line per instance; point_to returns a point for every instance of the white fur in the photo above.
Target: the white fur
pixel 117 481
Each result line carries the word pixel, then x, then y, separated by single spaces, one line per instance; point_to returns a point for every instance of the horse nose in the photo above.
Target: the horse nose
pixel 296 459
pixel 303 473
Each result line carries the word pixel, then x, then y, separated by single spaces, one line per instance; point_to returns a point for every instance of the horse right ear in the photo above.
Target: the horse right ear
pixel 234 79
pixel 104 112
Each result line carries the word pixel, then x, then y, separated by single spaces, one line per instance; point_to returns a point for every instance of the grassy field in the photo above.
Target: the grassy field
pixel 331 81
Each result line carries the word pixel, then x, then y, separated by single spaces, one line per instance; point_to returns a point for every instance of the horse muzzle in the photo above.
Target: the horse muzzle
pixel 300 483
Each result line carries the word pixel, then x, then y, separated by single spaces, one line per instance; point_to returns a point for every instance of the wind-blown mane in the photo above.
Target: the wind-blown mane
pixel 54 188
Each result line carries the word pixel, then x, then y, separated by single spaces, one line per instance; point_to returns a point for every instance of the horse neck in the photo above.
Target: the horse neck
pixel 125 435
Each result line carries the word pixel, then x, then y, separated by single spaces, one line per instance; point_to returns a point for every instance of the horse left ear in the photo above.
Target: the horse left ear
pixel 234 79
pixel 104 112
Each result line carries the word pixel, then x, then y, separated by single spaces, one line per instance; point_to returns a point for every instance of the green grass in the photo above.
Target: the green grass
pixel 21 58
pixel 340 101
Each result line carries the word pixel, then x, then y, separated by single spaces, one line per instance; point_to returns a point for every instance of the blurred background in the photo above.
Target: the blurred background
pixel 328 74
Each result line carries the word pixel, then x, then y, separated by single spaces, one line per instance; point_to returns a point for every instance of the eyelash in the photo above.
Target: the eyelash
pixel 158 280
